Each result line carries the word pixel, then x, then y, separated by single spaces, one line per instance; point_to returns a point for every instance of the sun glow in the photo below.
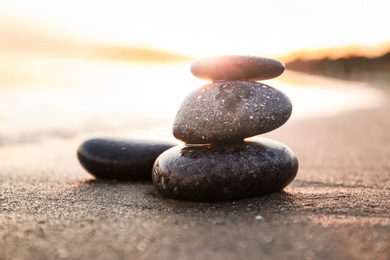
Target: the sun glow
pixel 205 28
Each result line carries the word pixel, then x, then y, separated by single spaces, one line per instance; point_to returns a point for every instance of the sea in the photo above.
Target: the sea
pixel 55 98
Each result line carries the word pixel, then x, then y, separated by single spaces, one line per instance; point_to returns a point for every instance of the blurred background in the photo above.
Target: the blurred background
pixel 71 68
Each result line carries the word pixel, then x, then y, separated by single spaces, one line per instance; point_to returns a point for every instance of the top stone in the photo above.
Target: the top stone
pixel 236 67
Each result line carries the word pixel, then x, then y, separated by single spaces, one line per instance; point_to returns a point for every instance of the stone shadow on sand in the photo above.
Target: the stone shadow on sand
pixel 329 200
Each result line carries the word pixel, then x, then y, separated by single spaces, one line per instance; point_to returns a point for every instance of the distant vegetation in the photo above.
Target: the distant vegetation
pixel 350 68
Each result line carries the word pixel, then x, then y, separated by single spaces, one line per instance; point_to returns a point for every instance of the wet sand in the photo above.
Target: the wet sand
pixel 338 207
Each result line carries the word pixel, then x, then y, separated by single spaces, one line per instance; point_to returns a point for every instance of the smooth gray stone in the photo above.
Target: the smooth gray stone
pixel 236 67
pixel 121 159
pixel 224 171
pixel 230 110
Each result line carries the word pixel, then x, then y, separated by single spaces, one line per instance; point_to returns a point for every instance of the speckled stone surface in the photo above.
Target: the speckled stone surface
pixel 225 171
pixel 121 159
pixel 236 67
pixel 230 110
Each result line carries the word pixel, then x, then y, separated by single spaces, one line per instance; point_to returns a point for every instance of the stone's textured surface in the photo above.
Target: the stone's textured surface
pixel 121 159
pixel 235 67
pixel 230 110
pixel 224 171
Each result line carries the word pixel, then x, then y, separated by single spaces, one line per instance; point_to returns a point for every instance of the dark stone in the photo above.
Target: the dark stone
pixel 224 171
pixel 121 159
pixel 235 67
pixel 230 110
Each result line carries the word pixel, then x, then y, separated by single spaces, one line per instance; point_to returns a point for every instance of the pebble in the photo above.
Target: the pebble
pixel 224 171
pixel 121 159
pixel 236 67
pixel 230 110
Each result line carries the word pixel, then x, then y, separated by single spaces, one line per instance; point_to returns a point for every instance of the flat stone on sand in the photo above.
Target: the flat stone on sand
pixel 121 159
pixel 224 171
pixel 230 110
pixel 236 67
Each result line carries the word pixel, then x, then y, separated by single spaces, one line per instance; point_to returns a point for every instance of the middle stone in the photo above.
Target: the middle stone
pixel 230 110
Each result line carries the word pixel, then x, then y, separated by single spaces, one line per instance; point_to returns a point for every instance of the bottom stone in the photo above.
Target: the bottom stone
pixel 224 171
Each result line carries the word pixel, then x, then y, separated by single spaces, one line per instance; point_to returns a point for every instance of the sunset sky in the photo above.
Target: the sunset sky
pixel 204 28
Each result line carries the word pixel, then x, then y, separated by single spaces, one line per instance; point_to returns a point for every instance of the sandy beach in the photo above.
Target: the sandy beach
pixel 338 207
pixel 72 71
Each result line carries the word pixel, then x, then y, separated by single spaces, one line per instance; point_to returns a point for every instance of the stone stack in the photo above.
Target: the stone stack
pixel 216 162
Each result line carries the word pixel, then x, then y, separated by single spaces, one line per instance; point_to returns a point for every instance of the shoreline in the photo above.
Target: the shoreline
pixel 67 110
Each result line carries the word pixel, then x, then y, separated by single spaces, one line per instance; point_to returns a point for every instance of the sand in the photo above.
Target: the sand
pixel 338 207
